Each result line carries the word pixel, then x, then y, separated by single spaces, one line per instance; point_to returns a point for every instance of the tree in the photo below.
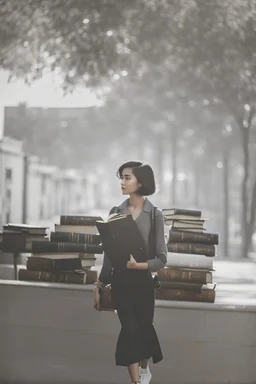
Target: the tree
pixel 81 40
pixel 196 48
pixel 220 49
pixel 209 46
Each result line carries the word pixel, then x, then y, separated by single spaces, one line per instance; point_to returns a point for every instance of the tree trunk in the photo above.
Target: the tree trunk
pixel 197 184
pixel 25 189
pixel 245 234
pixel 252 215
pixel 226 201
pixel 174 163
pixel 245 125
pixel 160 164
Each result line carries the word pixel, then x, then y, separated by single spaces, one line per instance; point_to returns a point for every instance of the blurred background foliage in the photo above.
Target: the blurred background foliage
pixel 176 80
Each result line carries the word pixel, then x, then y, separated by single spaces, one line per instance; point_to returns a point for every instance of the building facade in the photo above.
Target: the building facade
pixel 11 180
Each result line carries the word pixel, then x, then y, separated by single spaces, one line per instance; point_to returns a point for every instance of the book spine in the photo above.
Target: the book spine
pixel 189 262
pixel 186 224
pixel 51 265
pixel 192 237
pixel 78 220
pixel 190 221
pixel 60 247
pixel 68 278
pixel 207 295
pixel 178 211
pixel 27 275
pixel 40 264
pixel 180 285
pixel 71 237
pixel 199 249
pixel 172 274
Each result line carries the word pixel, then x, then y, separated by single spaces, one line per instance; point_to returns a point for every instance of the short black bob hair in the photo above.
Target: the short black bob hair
pixel 143 173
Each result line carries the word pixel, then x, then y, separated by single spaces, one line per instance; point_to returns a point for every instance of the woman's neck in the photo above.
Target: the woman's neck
pixel 136 201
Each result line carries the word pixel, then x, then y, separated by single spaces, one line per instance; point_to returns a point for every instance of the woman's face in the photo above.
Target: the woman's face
pixel 129 183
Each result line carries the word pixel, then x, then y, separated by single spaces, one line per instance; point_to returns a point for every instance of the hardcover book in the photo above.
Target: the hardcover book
pixel 205 295
pixel 186 260
pixel 26 228
pixel 50 246
pixel 20 241
pixel 184 275
pixel 84 229
pixel 184 286
pixel 79 220
pixel 60 277
pixel 199 249
pixel 181 212
pixel 192 237
pixel 72 237
pixel 45 264
pixel 121 238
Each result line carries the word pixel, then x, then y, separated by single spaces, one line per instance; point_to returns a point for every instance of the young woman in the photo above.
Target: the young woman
pixel 133 286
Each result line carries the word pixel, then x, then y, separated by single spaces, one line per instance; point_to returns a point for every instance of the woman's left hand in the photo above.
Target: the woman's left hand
pixel 132 263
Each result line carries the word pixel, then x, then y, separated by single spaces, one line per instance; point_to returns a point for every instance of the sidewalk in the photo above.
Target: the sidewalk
pixel 242 272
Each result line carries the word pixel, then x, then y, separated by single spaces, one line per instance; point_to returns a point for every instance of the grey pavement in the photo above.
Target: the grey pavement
pixel 51 334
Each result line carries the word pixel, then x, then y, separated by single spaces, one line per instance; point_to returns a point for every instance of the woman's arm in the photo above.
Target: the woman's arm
pixel 160 260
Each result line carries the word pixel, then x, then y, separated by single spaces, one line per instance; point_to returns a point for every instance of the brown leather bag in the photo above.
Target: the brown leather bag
pixel 106 300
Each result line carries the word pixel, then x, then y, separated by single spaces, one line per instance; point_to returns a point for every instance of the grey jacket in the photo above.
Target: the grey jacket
pixel 143 222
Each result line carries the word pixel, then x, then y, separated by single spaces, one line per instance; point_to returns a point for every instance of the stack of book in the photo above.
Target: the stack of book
pixel 68 256
pixel 19 237
pixel 191 251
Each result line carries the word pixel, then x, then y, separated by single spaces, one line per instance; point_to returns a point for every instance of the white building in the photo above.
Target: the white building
pixel 11 180
pixel 71 192
pixel 40 190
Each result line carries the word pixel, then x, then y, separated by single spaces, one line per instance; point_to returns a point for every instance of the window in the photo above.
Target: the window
pixel 8 174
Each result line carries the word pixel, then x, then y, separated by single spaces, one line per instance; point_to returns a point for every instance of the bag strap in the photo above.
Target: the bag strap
pixel 152 243
pixel 152 237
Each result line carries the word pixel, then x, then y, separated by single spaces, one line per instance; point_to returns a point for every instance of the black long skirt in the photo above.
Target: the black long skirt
pixel 133 295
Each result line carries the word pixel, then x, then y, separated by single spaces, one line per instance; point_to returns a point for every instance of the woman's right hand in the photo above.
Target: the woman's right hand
pixel 97 298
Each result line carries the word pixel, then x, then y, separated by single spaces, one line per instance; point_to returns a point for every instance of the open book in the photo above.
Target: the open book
pixel 121 238
pixel 114 216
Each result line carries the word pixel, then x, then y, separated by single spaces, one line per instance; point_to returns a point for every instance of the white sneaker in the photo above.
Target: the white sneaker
pixel 145 375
